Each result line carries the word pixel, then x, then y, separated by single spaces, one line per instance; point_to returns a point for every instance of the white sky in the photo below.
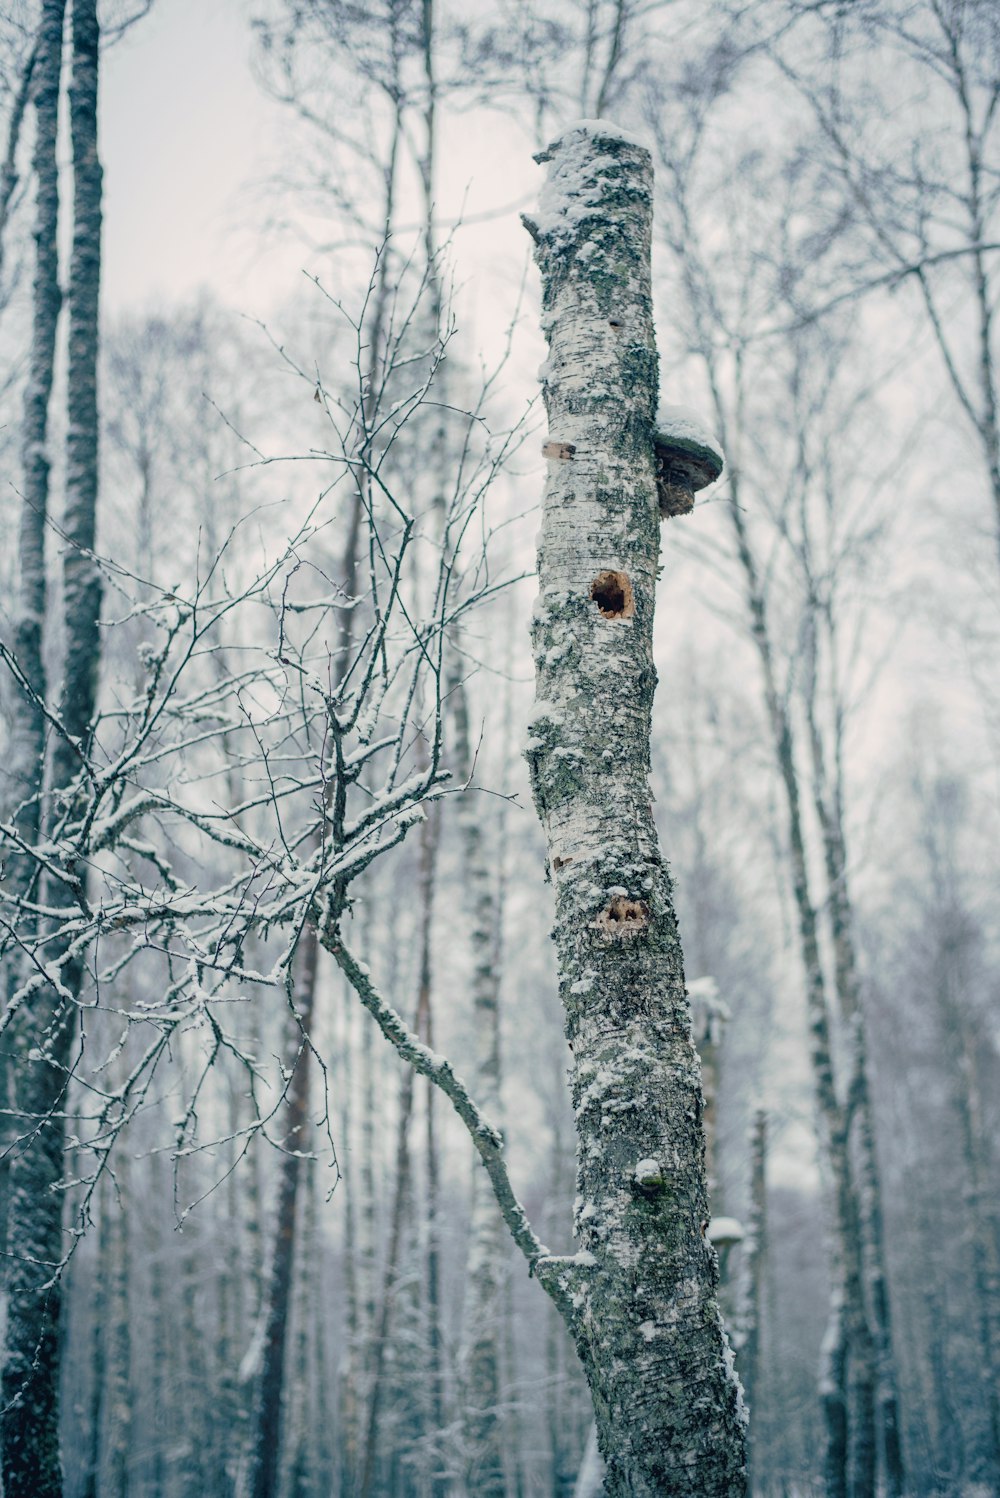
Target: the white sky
pixel 189 140
pixel 184 131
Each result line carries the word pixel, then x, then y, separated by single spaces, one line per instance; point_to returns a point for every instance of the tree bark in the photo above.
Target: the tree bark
pixel 844 1382
pixel 26 753
pixel 263 1464
pixel 118 1416
pixel 828 799
pixel 648 1329
pixel 30 1383
pixel 430 837
pixel 484 1446
pixel 755 1249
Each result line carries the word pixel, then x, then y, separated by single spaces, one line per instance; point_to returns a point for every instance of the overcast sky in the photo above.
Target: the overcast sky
pixel 188 140
pixel 185 133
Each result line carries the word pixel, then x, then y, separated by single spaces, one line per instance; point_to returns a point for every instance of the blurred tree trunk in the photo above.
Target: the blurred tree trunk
pixel 353 1379
pixel 967 1104
pixel 193 1413
pixel 160 1402
pixel 118 1418
pixel 828 799
pixel 846 1374
pixel 264 1458
pixel 98 1340
pixel 484 1280
pixel 755 1250
pixel 381 1329
pixel 641 1182
pixel 430 840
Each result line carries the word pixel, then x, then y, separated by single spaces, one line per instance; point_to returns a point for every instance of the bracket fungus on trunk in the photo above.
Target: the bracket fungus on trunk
pixel 688 458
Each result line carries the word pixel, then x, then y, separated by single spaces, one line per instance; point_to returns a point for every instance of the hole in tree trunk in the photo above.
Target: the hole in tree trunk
pixel 622 917
pixel 612 592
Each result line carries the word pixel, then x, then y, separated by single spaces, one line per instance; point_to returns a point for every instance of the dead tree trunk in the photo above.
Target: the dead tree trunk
pixel 649 1330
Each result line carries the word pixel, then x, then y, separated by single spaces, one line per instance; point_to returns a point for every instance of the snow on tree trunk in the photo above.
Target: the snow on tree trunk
pixel 26 749
pixel 846 1319
pixel 31 1456
pixel 828 800
pixel 26 754
pixel 648 1329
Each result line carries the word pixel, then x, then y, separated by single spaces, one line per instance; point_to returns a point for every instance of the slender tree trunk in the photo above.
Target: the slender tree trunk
pixel 755 1250
pixel 303 1475
pixel 159 1400
pixel 561 1455
pixel 192 1413
pixel 980 1226
pixel 263 1465
pixel 429 846
pixel 26 752
pixel 97 1370
pixel 30 1384
pixel 357 1263
pixel 829 802
pixel 649 1323
pixel 844 1381
pixel 484 1446
pixel 119 1361
pixel 390 1273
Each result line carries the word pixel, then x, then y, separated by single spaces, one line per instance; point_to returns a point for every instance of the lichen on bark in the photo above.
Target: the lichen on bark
pixel 648 1329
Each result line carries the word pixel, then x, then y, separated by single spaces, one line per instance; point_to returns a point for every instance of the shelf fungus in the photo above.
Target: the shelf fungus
pixel 688 458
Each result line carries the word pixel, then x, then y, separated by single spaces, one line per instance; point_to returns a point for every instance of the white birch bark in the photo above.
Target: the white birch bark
pixel 669 1413
pixel 484 1279
pixel 31 1456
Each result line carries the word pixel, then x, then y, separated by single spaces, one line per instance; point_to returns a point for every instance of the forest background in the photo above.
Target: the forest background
pixel 318 299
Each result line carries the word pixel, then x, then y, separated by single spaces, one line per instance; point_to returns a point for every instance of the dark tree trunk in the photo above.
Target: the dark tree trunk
pixel 31 1456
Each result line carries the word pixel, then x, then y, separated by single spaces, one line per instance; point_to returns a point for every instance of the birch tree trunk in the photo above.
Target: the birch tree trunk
pixel 26 757
pixel 846 1320
pixel 26 753
pixel 755 1248
pixel 487 1235
pixel 263 1465
pixel 669 1414
pixel 828 800
pixel 118 1422
pixel 430 842
pixel 30 1383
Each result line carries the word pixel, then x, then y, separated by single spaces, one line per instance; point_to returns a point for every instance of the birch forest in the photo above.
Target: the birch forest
pixel 499 748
